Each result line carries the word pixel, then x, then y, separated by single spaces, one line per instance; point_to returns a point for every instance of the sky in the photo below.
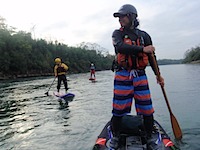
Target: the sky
pixel 174 25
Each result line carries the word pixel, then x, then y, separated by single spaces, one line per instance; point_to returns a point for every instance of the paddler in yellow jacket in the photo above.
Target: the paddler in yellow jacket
pixel 60 70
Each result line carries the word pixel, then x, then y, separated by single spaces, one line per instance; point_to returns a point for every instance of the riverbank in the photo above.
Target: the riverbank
pixel 16 76
pixel 195 62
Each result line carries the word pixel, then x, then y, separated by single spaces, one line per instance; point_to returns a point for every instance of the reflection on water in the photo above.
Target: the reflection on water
pixel 25 111
pixel 31 120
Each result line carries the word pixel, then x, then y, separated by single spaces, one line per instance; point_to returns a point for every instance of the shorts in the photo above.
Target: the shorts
pixel 127 87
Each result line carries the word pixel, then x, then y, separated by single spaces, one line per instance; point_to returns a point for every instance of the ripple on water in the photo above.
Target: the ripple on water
pixel 29 119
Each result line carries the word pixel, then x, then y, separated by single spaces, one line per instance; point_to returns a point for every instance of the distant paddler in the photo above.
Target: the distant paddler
pixel 92 72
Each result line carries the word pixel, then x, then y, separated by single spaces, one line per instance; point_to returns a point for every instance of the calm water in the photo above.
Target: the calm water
pixel 30 120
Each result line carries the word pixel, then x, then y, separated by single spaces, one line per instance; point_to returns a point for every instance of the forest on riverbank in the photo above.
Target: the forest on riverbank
pixel 23 56
pixel 192 55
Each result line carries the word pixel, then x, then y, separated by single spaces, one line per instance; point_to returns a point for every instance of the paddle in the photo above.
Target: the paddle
pixel 175 126
pixel 47 93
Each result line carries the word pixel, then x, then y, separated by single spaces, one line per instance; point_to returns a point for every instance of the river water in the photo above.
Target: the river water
pixel 31 120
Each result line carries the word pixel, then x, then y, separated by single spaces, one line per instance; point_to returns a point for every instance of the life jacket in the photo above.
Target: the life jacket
pixel 60 69
pixel 92 68
pixel 139 61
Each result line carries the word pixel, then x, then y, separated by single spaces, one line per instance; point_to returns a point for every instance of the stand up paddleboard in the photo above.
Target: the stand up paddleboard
pixel 133 136
pixel 92 79
pixel 64 98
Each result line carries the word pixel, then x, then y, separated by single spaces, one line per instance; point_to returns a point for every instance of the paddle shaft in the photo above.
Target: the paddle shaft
pixel 175 126
pixel 162 87
pixel 167 102
pixel 50 86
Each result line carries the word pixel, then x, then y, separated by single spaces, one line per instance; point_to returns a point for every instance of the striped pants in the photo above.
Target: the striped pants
pixel 129 85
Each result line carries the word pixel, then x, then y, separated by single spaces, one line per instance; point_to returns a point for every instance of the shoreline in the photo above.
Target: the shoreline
pixel 10 77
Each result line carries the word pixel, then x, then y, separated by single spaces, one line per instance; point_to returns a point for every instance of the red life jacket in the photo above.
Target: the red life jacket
pixel 126 61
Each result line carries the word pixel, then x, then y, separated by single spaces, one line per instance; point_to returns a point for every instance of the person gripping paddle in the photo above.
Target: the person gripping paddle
pixel 133 47
pixel 60 70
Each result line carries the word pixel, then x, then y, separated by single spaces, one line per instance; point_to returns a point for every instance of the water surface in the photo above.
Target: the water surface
pixel 31 120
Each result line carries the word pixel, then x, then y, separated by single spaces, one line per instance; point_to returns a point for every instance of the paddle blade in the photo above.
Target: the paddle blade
pixel 176 128
pixel 47 93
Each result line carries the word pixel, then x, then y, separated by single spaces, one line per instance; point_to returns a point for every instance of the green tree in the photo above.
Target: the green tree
pixel 192 54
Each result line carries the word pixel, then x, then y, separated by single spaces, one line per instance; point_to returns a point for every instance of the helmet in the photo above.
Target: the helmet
pixel 126 9
pixel 57 60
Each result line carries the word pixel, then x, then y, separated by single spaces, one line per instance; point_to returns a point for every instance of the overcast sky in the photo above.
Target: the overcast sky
pixel 174 25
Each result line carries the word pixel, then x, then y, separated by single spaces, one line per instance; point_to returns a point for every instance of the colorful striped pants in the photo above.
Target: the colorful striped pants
pixel 129 85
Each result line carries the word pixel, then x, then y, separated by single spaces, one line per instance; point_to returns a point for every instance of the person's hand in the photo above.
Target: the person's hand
pixel 160 80
pixel 149 49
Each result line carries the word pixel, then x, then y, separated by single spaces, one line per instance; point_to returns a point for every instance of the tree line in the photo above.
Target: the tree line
pixel 192 55
pixel 21 55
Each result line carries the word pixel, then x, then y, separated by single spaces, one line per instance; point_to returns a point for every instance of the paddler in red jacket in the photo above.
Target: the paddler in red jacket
pixel 134 49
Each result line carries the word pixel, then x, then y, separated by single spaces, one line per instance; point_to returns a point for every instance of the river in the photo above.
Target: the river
pixel 31 120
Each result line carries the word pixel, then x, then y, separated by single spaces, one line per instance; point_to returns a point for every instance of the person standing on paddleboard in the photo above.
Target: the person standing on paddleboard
pixel 92 71
pixel 134 50
pixel 60 70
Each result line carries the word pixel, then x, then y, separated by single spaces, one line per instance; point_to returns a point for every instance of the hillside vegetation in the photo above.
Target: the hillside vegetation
pixel 22 56
pixel 192 55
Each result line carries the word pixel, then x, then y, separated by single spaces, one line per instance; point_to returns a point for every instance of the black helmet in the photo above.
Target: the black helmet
pixel 126 9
